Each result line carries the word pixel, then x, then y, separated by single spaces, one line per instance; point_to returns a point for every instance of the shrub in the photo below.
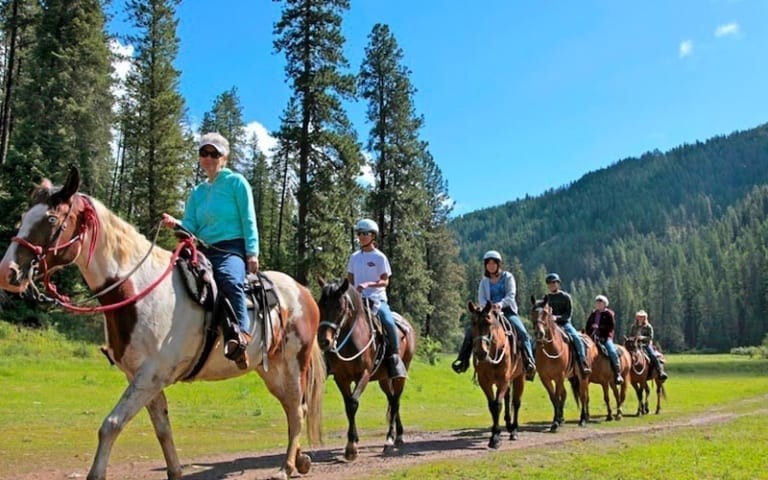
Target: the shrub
pixel 429 350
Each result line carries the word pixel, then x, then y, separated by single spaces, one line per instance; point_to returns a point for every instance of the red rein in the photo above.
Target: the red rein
pixel 91 220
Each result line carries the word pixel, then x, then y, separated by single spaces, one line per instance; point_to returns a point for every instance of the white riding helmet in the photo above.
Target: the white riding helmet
pixel 602 298
pixel 492 255
pixel 367 225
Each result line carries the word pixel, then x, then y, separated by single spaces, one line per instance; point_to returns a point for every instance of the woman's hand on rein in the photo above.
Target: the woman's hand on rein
pixel 168 220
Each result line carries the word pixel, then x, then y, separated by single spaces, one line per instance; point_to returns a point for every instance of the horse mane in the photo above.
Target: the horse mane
pixel 123 241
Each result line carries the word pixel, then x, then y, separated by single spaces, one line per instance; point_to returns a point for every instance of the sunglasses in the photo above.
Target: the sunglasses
pixel 209 153
pixel 365 234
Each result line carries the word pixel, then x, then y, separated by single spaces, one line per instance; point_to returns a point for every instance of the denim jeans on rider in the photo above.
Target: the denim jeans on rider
pixel 228 259
pixel 522 333
pixel 575 338
pixel 388 322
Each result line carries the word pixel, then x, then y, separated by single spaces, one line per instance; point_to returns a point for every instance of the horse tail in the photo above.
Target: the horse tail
pixel 574 381
pixel 314 395
pixel 662 391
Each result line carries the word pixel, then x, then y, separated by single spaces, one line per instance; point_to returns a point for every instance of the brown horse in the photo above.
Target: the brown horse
pixel 156 333
pixel 497 364
pixel 556 362
pixel 641 372
pixel 354 350
pixel 602 374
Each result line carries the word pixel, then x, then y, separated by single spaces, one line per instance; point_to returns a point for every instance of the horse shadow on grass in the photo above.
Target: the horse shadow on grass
pixel 264 466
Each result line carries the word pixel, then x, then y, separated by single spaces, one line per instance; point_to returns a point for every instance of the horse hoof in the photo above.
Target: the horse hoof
pixel 281 475
pixel 303 463
pixel 513 436
pixel 494 443
pixel 399 442
pixel 553 428
pixel 350 453
pixel 609 418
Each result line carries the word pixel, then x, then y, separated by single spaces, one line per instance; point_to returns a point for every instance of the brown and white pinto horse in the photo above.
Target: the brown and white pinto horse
pixel 497 365
pixel 641 372
pixel 156 335
pixel 347 337
pixel 556 362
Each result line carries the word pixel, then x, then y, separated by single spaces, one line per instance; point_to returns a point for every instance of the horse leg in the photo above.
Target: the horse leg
pixel 494 406
pixel 584 394
pixel 289 393
pixel 606 399
pixel 518 387
pixel 158 413
pixel 351 404
pixel 393 389
pixel 622 395
pixel 659 393
pixel 143 388
pixel 555 401
pixel 560 395
pixel 639 392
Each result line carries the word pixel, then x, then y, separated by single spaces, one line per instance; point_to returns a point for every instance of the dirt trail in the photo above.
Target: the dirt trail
pixel 420 447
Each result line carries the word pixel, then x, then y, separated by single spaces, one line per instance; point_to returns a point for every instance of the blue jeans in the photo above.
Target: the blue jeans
pixel 611 351
pixel 576 339
pixel 388 322
pixel 522 333
pixel 228 259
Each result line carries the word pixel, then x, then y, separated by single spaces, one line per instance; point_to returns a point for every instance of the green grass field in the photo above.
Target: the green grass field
pixel 54 395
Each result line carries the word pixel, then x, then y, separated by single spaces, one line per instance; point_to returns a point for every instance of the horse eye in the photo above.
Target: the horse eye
pixel 53 220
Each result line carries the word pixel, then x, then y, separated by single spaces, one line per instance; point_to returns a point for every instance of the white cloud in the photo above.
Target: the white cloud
pixel 266 141
pixel 729 29
pixel 686 48
pixel 366 178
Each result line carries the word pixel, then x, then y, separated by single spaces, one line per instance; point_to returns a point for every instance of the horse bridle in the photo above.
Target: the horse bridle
pixel 336 327
pixel 489 340
pixel 543 339
pixel 90 221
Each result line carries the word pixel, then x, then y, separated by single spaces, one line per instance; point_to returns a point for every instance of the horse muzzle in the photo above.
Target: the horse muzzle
pixel 12 277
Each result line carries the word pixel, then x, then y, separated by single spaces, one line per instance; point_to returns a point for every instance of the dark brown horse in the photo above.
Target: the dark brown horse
pixel 641 371
pixel 556 362
pixel 497 364
pixel 354 351
pixel 603 375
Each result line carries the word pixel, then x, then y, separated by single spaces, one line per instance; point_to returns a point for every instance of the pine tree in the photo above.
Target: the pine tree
pixel 158 152
pixel 226 117
pixel 326 149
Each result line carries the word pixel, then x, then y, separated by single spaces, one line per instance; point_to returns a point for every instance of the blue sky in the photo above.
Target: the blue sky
pixel 518 97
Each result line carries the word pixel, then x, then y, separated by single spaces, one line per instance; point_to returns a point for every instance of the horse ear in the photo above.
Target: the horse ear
pixel 533 300
pixel 344 285
pixel 487 307
pixel 71 186
pixel 471 307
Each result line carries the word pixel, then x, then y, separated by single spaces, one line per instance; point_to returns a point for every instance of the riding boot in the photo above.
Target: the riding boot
pixel 530 365
pixel 617 370
pixel 585 370
pixel 461 364
pixel 396 367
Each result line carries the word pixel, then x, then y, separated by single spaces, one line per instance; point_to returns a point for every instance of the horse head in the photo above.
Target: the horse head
pixel 484 335
pixel 336 308
pixel 541 317
pixel 632 343
pixel 50 236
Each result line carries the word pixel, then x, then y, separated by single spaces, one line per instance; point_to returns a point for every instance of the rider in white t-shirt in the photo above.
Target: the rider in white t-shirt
pixel 369 271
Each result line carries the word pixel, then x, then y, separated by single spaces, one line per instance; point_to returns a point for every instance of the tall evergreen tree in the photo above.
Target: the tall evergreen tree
pixel 327 153
pixel 157 150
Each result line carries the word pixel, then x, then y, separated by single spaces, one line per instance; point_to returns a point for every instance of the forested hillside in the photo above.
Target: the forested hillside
pixel 681 234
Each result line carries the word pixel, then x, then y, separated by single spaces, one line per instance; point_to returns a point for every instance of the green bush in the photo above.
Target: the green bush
pixel 429 350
